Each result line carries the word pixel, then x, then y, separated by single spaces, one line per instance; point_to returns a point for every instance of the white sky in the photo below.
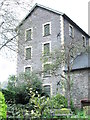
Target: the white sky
pixel 77 10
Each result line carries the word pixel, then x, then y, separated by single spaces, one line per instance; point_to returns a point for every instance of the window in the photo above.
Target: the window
pixel 46 29
pixel 27 69
pixel 47 89
pixel 47 70
pixel 71 31
pixel 28 34
pixel 28 53
pixel 47 49
pixel 84 41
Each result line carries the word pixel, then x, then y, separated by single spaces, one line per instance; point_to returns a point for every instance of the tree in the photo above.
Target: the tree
pixel 9 19
pixel 18 87
pixel 72 49
pixel 11 82
pixel 63 57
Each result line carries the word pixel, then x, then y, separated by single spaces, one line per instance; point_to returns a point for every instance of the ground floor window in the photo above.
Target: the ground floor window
pixel 47 89
pixel 27 69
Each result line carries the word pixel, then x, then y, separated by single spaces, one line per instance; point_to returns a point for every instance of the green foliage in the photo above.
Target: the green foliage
pixel 72 105
pixel 80 114
pixel 58 101
pixel 18 111
pixel 33 82
pixel 39 104
pixel 54 105
pixel 11 83
pixel 18 87
pixel 9 95
pixel 3 107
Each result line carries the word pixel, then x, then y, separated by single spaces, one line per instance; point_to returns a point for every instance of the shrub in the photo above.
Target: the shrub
pixel 58 101
pixel 18 111
pixel 39 104
pixel 3 107
pixel 18 87
pixel 80 114
pixel 54 105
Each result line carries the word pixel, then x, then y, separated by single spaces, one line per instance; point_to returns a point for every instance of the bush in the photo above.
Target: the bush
pixel 3 107
pixel 54 105
pixel 58 102
pixel 18 111
pixel 9 95
pixel 18 87
pixel 80 114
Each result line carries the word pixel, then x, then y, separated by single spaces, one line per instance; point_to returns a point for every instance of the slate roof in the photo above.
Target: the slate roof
pixel 81 62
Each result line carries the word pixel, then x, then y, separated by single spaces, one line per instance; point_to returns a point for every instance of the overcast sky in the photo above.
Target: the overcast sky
pixel 77 10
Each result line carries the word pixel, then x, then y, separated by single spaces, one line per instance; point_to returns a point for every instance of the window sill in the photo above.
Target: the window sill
pixel 46 35
pixel 46 76
pixel 28 40
pixel 27 59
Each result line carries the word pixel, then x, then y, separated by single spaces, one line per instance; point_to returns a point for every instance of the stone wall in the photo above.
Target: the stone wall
pixel 80 86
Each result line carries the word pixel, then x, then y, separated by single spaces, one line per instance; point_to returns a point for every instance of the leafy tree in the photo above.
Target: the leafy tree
pixel 11 82
pixel 62 61
pixel 31 80
pixel 9 19
pixel 18 87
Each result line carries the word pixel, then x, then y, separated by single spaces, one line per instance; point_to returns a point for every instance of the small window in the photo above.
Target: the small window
pixel 28 53
pixel 71 31
pixel 47 70
pixel 46 49
pixel 47 29
pixel 84 41
pixel 29 34
pixel 27 69
pixel 47 90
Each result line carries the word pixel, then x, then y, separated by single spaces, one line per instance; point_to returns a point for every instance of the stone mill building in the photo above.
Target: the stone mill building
pixel 44 28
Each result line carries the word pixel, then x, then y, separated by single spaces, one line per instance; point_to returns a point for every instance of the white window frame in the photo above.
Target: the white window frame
pixel 28 66
pixel 72 31
pixel 43 69
pixel 43 46
pixel 84 41
pixel 44 25
pixel 25 52
pixel 31 33
pixel 50 88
